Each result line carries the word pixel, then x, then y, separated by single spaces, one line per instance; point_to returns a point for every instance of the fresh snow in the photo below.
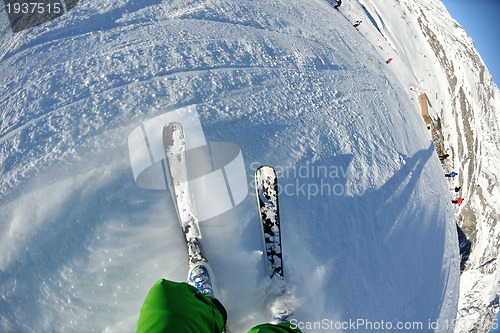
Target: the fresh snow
pixel 369 232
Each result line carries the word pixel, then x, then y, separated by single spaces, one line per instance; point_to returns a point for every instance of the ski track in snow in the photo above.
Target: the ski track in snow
pixel 295 86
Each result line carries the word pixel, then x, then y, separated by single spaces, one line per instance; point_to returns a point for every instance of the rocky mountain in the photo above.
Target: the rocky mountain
pixel 462 95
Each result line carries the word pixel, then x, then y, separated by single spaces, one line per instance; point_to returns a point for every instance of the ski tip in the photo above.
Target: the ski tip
pixel 171 127
pixel 173 130
pixel 265 170
pixel 265 167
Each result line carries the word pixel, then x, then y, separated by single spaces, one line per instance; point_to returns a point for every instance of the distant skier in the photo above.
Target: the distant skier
pixel 337 5
pixel 451 175
pixel 179 307
pixel 458 201
pixel 357 23
pixel 457 188
pixel 443 157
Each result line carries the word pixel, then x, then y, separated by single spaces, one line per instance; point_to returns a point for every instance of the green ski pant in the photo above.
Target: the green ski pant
pixel 180 308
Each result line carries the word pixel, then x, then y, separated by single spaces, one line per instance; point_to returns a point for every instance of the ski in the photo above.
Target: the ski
pixel 174 144
pixel 279 301
pixel 266 186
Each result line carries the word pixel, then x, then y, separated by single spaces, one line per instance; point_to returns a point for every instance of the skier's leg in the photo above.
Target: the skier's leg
pixel 180 308
pixel 285 327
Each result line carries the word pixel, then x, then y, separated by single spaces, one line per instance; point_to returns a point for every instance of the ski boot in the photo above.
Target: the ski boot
pixel 281 313
pixel 199 277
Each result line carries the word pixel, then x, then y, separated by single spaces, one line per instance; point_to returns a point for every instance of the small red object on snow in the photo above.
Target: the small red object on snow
pixel 331 3
pixel 388 60
pixel 460 200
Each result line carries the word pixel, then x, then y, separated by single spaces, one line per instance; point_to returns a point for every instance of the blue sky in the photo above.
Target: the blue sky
pixel 481 20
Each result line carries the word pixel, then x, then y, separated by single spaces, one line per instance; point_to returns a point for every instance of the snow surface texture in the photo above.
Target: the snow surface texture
pixel 368 228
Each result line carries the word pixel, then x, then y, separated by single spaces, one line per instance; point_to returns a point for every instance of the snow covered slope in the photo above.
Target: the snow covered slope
pixel 368 228
pixel 434 55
